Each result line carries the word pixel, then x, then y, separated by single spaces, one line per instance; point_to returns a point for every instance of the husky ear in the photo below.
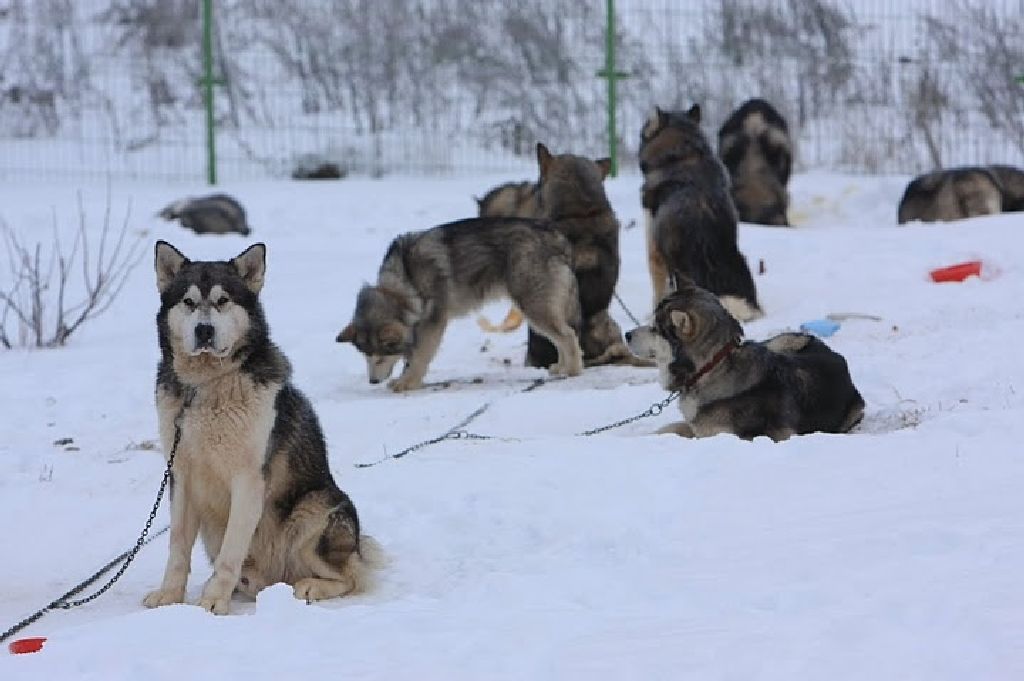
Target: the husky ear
pixel 654 123
pixel 683 321
pixel 251 265
pixel 694 113
pixel 347 335
pixel 168 261
pixel 605 166
pixel 543 158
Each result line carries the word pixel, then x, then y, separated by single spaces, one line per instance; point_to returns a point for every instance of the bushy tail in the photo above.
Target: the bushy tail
pixel 364 566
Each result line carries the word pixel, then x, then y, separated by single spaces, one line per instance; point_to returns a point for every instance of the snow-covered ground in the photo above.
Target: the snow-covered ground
pixel 892 553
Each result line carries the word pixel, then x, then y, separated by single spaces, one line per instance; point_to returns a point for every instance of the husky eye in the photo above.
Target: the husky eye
pixel 189 303
pixel 223 300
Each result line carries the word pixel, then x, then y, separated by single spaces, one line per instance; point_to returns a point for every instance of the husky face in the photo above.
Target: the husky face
pixel 209 307
pixel 380 330
pixel 690 326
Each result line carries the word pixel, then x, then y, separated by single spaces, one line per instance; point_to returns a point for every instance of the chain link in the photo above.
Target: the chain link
pixel 126 558
pixel 653 410
pixel 636 321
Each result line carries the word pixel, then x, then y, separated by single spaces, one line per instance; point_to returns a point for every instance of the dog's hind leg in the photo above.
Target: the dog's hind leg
pixel 428 340
pixel 184 528
pixel 570 355
pixel 327 548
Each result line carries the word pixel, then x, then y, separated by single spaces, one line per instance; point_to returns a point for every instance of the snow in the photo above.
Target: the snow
pixel 892 553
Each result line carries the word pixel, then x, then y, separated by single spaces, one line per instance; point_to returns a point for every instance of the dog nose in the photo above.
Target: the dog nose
pixel 204 334
pixel 374 381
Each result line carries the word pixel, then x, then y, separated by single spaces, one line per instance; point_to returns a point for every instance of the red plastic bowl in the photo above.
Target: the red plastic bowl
pixel 27 645
pixel 957 272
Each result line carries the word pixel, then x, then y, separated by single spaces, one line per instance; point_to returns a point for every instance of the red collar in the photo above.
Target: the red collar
pixel 726 350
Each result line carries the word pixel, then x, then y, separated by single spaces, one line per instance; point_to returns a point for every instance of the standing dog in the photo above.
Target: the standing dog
pixel 250 471
pixel 430 277
pixel 213 214
pixel 572 197
pixel 691 221
pixel 789 385
pixel 954 194
pixel 755 147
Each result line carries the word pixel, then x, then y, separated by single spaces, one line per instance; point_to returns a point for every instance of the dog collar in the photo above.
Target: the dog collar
pixel 726 350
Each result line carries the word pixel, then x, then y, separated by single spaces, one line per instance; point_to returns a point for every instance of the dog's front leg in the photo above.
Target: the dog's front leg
pixel 247 491
pixel 427 342
pixel 184 528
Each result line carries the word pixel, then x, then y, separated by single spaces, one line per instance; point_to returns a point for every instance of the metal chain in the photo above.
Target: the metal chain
pixel 62 603
pixel 652 410
pixel 628 313
pixel 457 432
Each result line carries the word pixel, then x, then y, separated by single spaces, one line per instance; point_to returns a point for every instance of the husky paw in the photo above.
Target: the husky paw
pixel 154 599
pixel 216 604
pixel 402 384
pixel 315 589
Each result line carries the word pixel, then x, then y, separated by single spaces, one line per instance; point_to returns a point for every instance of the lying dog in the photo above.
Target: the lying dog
pixel 430 277
pixel 951 194
pixel 789 385
pixel 250 472
pixel 213 214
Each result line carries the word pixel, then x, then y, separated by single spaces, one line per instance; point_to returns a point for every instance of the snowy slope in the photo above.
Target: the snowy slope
pixel 893 553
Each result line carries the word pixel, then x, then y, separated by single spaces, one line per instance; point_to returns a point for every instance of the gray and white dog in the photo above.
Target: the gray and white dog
pixel 430 277
pixel 951 194
pixel 250 472
pixel 213 214
pixel 755 146
pixel 789 385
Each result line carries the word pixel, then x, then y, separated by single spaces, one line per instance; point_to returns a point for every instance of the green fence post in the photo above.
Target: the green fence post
pixel 208 82
pixel 612 76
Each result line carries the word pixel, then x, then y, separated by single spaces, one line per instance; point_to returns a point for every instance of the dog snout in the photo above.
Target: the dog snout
pixel 204 335
pixel 629 336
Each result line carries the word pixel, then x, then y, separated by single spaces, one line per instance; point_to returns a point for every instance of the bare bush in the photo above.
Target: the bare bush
pixel 985 47
pixel 36 297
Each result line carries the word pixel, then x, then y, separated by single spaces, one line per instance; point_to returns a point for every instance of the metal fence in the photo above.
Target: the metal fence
pixel 115 87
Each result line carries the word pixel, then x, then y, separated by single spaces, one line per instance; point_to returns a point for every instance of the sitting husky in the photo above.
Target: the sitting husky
pixel 250 470
pixel 754 145
pixel 951 194
pixel 572 198
pixel 691 221
pixel 213 214
pixel 789 385
pixel 430 277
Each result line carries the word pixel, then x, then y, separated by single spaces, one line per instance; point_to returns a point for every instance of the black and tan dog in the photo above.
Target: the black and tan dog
pixel 691 221
pixel 755 147
pixel 573 201
pixel 250 473
pixel 789 385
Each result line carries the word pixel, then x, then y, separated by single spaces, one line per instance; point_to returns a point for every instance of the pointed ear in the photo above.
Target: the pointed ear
pixel 694 113
pixel 168 261
pixel 251 265
pixel 605 166
pixel 543 157
pixel 347 335
pixel 683 322
pixel 654 123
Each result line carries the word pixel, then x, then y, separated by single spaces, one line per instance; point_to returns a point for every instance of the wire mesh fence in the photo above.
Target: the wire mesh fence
pixel 112 87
